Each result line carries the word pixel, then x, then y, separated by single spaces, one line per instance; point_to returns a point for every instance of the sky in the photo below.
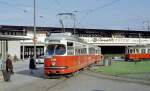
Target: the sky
pixel 95 14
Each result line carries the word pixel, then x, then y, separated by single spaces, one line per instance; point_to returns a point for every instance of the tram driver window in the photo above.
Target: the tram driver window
pixel 70 48
pixel 56 49
pixel 60 49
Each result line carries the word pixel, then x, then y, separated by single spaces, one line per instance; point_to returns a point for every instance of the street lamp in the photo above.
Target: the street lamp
pixel 72 16
pixel 34 38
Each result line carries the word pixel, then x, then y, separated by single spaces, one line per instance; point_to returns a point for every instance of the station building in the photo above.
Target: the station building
pixel 9 44
pixel 111 41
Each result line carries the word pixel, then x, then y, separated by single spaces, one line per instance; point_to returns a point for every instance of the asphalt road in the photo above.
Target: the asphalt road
pixel 22 80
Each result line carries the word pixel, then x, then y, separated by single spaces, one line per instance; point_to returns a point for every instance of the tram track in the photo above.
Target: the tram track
pixel 56 84
pixel 64 79
pixel 41 84
pixel 63 83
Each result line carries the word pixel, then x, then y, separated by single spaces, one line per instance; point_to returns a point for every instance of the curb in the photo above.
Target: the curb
pixel 116 78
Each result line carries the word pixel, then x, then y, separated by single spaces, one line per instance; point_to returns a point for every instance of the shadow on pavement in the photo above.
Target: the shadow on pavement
pixel 39 72
pixel 97 90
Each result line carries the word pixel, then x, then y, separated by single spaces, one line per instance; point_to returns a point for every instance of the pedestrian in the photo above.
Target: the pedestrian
pixel 31 64
pixel 9 68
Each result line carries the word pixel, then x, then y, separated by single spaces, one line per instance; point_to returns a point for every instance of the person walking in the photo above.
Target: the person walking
pixel 9 69
pixel 31 64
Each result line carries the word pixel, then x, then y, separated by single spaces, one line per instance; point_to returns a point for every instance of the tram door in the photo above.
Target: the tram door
pixel 29 50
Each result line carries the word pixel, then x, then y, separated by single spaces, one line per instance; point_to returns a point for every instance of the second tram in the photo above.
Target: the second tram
pixel 137 53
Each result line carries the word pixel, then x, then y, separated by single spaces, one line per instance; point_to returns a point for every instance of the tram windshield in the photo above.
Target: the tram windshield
pixel 55 49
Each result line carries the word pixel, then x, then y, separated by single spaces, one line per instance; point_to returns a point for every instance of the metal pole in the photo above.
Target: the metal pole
pixel 23 50
pixel 23 46
pixel 72 15
pixel 61 22
pixel 34 29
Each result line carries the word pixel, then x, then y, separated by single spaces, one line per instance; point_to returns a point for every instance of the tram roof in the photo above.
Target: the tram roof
pixel 10 37
pixel 67 36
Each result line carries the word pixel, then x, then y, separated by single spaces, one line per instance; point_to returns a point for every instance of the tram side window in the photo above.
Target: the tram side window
pixel 143 51
pixel 91 50
pixel 70 48
pixel 84 51
pixel 128 51
pixel 76 51
pixel 98 51
pixel 148 50
pixel 137 51
pixel 79 51
pixel 131 51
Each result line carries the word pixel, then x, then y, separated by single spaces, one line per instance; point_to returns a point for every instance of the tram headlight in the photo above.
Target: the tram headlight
pixel 53 63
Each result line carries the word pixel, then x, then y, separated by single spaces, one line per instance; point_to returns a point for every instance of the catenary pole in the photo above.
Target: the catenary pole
pixel 34 38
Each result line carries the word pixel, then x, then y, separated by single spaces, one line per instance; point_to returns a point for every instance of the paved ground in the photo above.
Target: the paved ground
pixel 81 82
pixel 22 80
pixel 84 82
pixel 20 77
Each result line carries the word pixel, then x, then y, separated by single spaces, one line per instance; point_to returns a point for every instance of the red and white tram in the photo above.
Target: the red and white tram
pixel 66 54
pixel 137 53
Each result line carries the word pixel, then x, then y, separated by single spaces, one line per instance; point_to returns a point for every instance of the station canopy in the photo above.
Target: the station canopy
pixel 12 38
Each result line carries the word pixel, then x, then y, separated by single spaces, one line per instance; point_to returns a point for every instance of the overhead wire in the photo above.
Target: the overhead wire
pixel 23 10
pixel 64 10
pixel 103 6
pixel 90 11
pixel 8 4
pixel 60 5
